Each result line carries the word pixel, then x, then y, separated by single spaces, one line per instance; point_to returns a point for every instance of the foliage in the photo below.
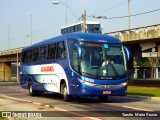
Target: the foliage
pixel 147 62
pixel 142 62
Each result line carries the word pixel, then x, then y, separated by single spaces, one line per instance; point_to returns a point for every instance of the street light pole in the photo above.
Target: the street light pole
pixel 31 26
pixel 65 4
pixel 9 36
pixel 129 15
pixel 66 7
pixel 66 12
pixel 17 68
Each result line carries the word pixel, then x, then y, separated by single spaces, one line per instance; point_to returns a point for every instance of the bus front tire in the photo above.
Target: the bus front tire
pixel 31 91
pixel 66 96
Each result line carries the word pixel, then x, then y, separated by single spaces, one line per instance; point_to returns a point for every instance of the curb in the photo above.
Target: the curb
pixel 144 97
pixel 155 98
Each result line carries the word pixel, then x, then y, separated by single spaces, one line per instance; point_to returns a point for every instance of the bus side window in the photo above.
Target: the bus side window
pixel 43 53
pixel 62 31
pixel 79 27
pixel 76 28
pixel 60 51
pixel 75 60
pixel 29 56
pixel 72 29
pixel 68 29
pixel 65 30
pixel 24 57
pixel 51 51
pixel 35 54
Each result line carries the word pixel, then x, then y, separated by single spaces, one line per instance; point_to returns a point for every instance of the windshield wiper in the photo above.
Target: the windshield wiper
pixel 100 65
pixel 88 74
pixel 114 69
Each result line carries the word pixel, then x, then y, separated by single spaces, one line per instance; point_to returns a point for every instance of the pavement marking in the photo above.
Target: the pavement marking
pixel 20 90
pixel 93 118
pixel 36 103
pixel 133 108
pixel 13 98
pixel 56 108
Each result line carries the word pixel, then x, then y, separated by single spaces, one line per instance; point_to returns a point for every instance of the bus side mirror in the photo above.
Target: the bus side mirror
pixel 127 52
pixel 79 49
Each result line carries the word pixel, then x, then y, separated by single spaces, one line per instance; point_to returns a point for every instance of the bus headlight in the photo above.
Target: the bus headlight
pixel 124 84
pixel 86 83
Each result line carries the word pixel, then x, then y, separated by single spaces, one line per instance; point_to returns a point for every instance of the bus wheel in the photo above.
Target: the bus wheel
pixel 31 91
pixel 103 98
pixel 66 97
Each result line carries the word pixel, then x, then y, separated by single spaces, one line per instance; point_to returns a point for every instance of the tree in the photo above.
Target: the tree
pixel 147 62
pixel 154 63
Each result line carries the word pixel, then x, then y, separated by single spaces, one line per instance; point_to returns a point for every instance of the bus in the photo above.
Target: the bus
pixel 76 64
pixel 91 27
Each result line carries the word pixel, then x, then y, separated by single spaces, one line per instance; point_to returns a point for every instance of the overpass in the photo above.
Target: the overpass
pixel 142 42
pixel 6 58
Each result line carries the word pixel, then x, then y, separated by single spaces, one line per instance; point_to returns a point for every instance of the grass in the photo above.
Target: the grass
pixel 151 91
pixel 42 104
pixel 49 106
pixel 3 118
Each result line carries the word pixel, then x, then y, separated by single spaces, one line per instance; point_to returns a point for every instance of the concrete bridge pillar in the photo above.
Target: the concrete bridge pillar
pixel 5 71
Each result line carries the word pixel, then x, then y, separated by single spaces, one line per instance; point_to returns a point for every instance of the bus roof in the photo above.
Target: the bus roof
pixel 87 22
pixel 90 37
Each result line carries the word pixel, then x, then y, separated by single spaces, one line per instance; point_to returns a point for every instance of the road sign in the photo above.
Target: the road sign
pixel 149 54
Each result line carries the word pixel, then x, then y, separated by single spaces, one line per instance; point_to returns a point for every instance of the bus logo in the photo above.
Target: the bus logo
pixel 106 86
pixel 47 69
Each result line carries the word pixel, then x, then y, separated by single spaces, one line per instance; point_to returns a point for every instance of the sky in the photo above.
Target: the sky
pixel 48 18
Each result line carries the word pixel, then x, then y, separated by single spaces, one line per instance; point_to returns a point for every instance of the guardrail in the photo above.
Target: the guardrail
pixel 139 33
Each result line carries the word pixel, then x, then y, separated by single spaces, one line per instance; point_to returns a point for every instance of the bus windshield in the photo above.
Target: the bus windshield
pixel 103 61
pixel 94 28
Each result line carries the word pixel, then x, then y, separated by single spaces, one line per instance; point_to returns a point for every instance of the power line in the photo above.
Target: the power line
pixel 111 8
pixel 79 19
pixel 104 17
pixel 136 14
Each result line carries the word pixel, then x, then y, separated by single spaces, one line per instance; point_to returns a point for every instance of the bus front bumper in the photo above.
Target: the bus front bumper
pixel 87 89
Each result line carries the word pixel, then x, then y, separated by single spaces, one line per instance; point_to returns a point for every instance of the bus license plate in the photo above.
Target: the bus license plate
pixel 107 92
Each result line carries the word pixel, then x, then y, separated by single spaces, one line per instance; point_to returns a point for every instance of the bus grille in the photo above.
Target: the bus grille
pixel 107 86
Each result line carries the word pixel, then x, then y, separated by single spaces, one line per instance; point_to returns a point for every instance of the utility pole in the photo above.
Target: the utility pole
pixel 84 21
pixel 31 26
pixel 17 68
pixel 66 11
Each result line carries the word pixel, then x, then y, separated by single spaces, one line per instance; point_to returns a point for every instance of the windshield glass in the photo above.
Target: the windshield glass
pixel 94 28
pixel 103 61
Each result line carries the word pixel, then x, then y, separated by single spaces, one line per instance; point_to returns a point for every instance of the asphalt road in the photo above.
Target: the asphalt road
pixel 51 106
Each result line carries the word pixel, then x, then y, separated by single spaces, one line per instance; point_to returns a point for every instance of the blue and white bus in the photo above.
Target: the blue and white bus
pixel 91 27
pixel 76 64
